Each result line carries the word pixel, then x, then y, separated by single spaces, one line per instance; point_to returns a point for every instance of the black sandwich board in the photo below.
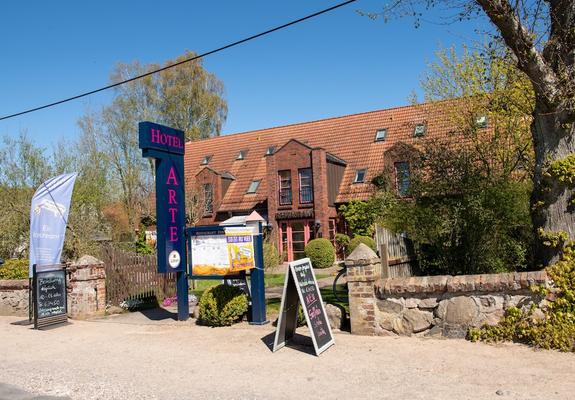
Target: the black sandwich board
pixel 49 294
pixel 300 286
pixel 241 283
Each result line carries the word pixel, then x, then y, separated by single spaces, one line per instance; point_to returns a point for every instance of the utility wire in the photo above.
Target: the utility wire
pixel 180 62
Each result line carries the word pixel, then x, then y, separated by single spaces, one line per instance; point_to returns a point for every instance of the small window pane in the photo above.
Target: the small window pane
pixel 359 176
pixel 208 198
pixel 241 155
pixel 206 160
pixel 380 135
pixel 305 186
pixel 481 121
pixel 402 178
pixel 254 186
pixel 285 194
pixel 270 150
pixel 419 130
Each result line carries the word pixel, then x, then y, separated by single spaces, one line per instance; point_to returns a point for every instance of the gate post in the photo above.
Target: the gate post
pixel 363 269
pixel 258 314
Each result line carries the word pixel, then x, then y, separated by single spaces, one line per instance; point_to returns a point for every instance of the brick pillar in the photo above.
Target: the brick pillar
pixel 363 269
pixel 86 288
pixel 320 188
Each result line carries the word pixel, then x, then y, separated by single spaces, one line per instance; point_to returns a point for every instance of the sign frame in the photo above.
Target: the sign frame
pixel 287 319
pixel 61 318
pixel 216 229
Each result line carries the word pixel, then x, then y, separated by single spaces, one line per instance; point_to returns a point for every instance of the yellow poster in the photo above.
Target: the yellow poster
pixel 240 249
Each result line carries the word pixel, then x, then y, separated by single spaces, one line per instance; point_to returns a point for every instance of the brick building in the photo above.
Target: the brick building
pixel 297 175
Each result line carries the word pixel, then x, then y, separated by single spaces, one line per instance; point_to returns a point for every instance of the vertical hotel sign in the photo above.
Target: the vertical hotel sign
pixel 166 146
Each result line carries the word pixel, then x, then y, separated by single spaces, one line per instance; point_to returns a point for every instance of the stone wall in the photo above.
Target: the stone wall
pixel 86 291
pixel 14 297
pixel 432 305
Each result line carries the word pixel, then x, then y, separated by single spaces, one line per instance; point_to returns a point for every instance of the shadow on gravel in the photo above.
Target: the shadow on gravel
pixel 9 392
pixel 297 342
pixel 158 314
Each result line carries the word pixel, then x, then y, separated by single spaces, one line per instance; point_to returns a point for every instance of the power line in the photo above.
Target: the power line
pixel 277 28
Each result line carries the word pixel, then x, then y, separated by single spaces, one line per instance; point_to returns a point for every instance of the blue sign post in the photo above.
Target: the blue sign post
pixel 167 146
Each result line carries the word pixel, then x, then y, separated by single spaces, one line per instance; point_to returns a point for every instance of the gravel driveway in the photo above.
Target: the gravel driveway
pixel 132 356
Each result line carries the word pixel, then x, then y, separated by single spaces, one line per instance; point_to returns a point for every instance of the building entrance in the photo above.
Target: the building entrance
pixel 295 234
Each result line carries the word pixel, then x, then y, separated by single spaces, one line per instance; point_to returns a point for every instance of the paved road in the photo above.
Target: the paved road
pixel 140 356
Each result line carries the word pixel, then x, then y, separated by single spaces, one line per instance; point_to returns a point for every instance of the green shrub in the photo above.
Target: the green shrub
pixel 271 255
pixel 15 268
pixel 555 327
pixel 222 305
pixel 369 242
pixel 142 247
pixel 320 252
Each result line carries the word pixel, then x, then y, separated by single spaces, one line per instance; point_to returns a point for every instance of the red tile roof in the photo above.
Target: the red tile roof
pixel 350 137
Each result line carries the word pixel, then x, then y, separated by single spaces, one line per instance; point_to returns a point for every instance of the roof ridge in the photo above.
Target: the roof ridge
pixel 318 120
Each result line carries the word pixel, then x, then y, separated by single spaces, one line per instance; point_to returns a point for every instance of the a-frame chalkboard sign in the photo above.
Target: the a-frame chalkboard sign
pixel 49 296
pixel 300 287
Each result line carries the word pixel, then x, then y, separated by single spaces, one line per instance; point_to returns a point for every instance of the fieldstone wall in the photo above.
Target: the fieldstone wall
pixel 86 291
pixel 14 297
pixel 433 305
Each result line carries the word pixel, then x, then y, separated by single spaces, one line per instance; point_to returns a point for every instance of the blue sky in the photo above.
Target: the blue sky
pixel 336 64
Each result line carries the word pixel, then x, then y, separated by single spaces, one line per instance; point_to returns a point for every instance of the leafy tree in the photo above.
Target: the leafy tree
pixel 360 216
pixel 463 220
pixel 186 97
pixel 491 93
pixel 469 196
pixel 541 36
pixel 24 168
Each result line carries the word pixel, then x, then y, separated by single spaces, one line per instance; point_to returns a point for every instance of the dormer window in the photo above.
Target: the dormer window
pixel 270 150
pixel 419 130
pixel 360 176
pixel 481 121
pixel 206 160
pixel 242 155
pixel 380 135
pixel 254 185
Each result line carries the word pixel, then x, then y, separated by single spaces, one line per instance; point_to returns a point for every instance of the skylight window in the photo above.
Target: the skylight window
pixel 419 130
pixel 360 176
pixel 380 135
pixel 206 160
pixel 242 155
pixel 270 150
pixel 254 186
pixel 481 121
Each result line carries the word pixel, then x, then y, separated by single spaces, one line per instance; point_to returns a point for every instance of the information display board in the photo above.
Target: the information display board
pixel 218 251
pixel 301 287
pixel 49 294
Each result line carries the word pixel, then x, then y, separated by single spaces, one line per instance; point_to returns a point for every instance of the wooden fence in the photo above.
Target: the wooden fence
pixel 397 253
pixel 133 276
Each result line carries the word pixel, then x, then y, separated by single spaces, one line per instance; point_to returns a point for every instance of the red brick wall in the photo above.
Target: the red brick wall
pixel 295 156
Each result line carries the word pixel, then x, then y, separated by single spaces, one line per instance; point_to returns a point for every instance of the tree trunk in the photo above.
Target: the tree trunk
pixel 551 200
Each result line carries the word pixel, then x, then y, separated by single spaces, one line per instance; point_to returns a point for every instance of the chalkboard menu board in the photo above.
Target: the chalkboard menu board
pixel 49 297
pixel 301 287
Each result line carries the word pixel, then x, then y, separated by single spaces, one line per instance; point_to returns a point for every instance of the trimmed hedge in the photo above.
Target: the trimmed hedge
pixel 320 252
pixel 369 242
pixel 15 268
pixel 222 305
